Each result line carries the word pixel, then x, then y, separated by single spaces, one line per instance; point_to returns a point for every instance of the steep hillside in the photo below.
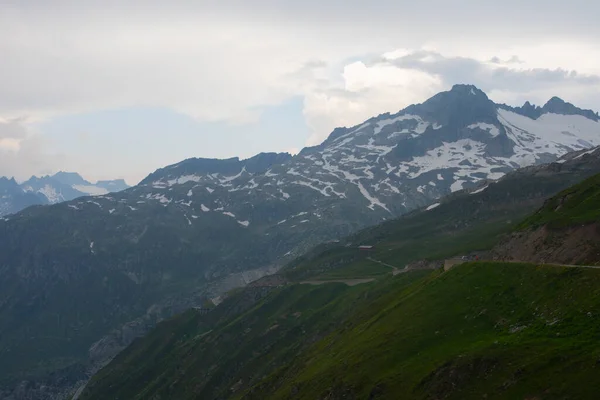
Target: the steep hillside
pixel 565 230
pixel 482 329
pixel 500 330
pixel 467 221
pixel 112 265
pixel 576 205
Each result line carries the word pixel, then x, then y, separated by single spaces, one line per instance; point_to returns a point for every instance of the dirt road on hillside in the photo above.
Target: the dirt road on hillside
pixel 349 282
pixel 395 270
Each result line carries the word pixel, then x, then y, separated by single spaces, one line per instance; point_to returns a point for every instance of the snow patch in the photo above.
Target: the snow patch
pixel 584 153
pixel 479 190
pixel 93 202
pixel 457 185
pixel 489 128
pixel 230 178
pixel 51 194
pixel 372 199
pixel 91 189
pixel 431 207
pixel 160 197
pixel 184 179
pixel 284 194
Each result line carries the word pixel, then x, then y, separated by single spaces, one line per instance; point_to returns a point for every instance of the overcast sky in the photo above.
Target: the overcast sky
pixel 112 90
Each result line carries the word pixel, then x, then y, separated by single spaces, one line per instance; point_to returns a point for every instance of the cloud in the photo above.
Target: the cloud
pixel 23 153
pixel 220 60
pixel 511 60
pixel 364 92
pixel 403 77
pixel 229 60
pixel 11 135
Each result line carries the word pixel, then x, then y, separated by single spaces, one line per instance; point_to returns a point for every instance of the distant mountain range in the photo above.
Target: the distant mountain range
pixel 62 186
pixel 120 262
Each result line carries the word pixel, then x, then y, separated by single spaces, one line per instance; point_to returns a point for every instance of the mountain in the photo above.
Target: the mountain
pixel 111 266
pixel 555 105
pixel 13 198
pixel 391 164
pixel 478 330
pixel 565 230
pixel 62 186
pixel 115 185
pixel 466 222
pixel 51 188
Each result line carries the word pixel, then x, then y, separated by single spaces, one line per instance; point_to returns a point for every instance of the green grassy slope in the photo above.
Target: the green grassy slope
pixel 462 223
pixel 480 330
pixel 204 356
pixel 505 330
pixel 578 204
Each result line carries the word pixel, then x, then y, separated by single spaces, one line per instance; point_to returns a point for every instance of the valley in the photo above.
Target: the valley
pixel 86 281
pixel 500 329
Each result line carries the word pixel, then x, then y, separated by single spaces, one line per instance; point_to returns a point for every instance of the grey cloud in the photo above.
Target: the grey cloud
pixel 12 129
pixel 31 158
pixel 467 70
pixel 512 60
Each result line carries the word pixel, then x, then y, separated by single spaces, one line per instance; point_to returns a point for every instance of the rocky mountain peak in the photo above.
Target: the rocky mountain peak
pixel 460 106
pixel 469 90
pixel 195 167
pixel 8 181
pixel 556 105
pixel 70 178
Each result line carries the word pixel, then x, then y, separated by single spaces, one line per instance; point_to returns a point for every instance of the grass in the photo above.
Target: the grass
pixel 413 242
pixel 509 331
pixel 480 330
pixel 576 205
pixel 504 330
pixel 362 268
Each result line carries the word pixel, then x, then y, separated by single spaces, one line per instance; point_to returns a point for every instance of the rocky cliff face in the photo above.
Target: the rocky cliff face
pixel 579 245
pixel 565 230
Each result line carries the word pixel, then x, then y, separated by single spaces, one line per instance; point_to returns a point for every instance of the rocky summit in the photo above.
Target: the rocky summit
pixel 84 277
pixel 62 186
pixel 13 198
pixel 389 164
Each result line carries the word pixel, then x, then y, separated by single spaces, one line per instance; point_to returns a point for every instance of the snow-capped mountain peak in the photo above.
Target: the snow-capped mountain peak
pixel 393 163
pixel 62 186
